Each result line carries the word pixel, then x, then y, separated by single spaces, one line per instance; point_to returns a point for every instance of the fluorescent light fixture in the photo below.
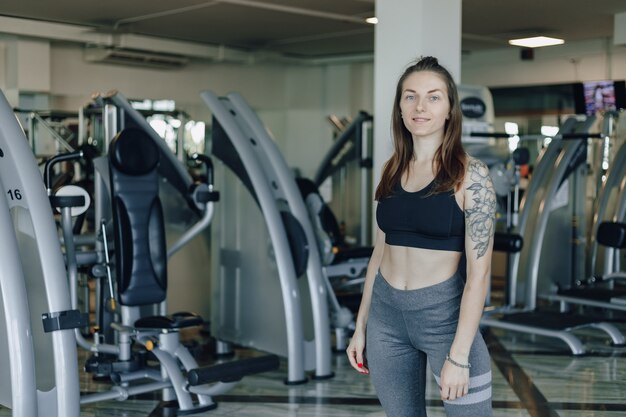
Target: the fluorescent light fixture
pixel 372 20
pixel 536 42
pixel 511 128
pixel 549 130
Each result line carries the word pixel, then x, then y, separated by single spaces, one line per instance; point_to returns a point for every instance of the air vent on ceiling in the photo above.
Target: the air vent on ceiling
pixel 118 56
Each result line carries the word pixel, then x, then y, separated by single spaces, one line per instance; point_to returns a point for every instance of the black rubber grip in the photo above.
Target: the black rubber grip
pixel 63 320
pixel 612 234
pixel 507 242
pixel 208 196
pixel 497 135
pixel 67 201
pixel 232 371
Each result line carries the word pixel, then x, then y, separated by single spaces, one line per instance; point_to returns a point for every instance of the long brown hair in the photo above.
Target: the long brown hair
pixel 449 160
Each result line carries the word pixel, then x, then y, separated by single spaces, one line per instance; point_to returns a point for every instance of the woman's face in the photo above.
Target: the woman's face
pixel 424 104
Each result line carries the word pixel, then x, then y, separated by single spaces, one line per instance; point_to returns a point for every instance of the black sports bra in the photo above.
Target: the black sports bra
pixel 419 220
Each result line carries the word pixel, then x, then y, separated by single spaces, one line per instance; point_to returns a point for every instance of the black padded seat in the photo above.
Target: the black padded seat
pixel 342 252
pixel 328 221
pixel 595 293
pixel 173 322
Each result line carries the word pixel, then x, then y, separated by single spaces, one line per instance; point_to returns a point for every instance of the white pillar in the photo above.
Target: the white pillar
pixel 408 29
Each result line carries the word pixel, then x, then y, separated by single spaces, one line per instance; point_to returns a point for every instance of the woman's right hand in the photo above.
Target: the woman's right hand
pixel 356 352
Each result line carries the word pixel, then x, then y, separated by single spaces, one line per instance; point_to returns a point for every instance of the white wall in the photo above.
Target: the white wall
pixel 292 100
pixel 312 94
pixel 571 62
pixel 73 81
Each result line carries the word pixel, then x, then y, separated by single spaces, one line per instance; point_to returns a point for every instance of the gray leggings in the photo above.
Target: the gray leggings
pixel 404 329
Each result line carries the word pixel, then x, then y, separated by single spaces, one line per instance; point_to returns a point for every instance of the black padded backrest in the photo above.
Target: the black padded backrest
pixel 140 251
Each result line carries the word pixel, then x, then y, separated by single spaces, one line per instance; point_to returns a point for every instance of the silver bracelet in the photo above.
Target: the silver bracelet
pixel 455 363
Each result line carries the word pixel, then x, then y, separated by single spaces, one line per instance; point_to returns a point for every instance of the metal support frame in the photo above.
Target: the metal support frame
pixel 49 358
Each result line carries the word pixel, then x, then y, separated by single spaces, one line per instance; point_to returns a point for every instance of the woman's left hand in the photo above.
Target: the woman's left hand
pixel 454 381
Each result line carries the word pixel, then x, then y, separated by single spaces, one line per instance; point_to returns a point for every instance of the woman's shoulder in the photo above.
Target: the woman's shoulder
pixel 476 171
pixel 473 163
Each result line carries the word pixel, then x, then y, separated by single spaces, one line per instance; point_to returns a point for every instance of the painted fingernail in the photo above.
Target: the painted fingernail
pixel 360 365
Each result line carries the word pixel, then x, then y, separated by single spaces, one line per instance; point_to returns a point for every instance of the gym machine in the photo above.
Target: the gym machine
pixel 38 341
pixel 259 255
pixel 343 225
pixel 347 167
pixel 553 196
pixel 599 286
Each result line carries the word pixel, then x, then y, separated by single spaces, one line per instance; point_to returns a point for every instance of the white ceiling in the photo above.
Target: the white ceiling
pixel 320 28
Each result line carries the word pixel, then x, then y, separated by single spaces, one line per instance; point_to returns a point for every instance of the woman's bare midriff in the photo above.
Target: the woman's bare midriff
pixel 408 268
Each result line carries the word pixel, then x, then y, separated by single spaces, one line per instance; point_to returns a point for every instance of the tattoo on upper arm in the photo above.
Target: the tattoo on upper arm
pixel 480 218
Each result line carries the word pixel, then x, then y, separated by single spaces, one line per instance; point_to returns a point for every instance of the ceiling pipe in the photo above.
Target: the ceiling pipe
pixel 163 13
pixel 245 3
pixel 297 10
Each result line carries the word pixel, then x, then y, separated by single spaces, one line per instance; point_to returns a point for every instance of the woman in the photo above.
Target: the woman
pixel 421 300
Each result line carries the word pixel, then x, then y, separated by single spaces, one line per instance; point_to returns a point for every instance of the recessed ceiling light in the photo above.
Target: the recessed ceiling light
pixel 372 20
pixel 536 42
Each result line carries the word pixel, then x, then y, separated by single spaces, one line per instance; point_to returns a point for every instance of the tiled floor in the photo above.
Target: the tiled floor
pixel 532 376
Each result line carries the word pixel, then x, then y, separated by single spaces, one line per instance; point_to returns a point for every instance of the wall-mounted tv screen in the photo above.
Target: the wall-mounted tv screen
pixel 600 96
